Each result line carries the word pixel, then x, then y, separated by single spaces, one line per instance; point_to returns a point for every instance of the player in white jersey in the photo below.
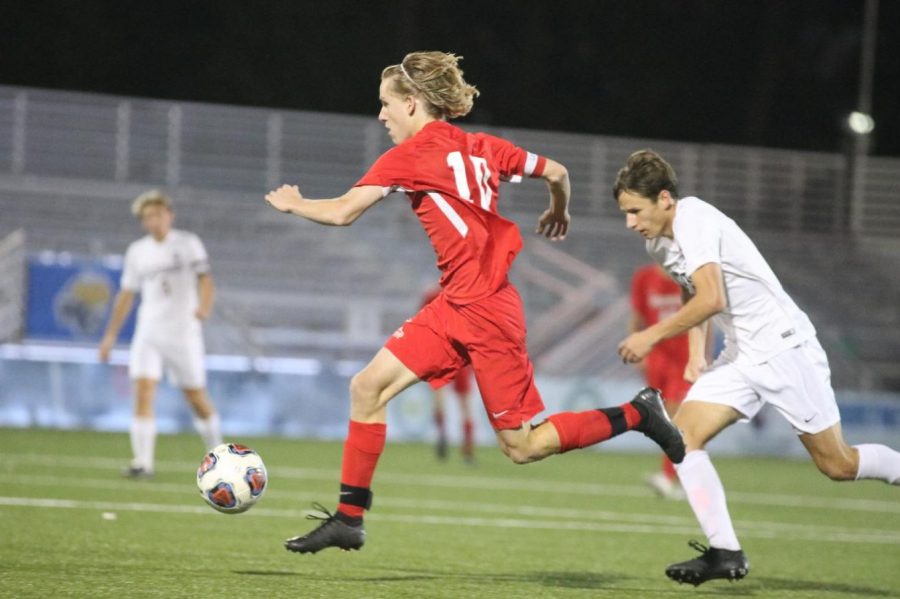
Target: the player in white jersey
pixel 170 269
pixel 771 354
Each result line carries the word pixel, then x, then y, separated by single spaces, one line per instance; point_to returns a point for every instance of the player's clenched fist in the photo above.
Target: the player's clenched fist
pixel 553 225
pixel 636 346
pixel 284 198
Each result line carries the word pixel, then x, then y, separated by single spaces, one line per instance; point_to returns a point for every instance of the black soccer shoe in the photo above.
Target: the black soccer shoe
pixel 334 531
pixel 656 425
pixel 441 448
pixel 713 563
pixel 137 473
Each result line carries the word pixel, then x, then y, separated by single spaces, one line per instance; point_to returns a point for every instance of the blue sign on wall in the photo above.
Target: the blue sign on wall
pixel 71 299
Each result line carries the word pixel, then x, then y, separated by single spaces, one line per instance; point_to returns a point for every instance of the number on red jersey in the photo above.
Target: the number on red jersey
pixel 482 186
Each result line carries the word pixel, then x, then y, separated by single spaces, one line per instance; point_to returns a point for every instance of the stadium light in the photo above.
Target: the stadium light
pixel 861 123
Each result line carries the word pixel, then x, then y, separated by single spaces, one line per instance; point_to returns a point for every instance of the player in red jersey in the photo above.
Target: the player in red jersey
pixel 451 179
pixel 654 296
pixel 462 386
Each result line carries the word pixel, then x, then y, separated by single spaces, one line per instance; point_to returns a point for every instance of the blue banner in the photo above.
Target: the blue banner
pixel 71 299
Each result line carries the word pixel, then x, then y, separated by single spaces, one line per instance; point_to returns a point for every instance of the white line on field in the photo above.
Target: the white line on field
pixel 483 482
pixel 813 535
pixel 173 489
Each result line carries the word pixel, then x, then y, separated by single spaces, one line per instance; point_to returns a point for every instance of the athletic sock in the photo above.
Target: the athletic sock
pixel 210 430
pixel 668 468
pixel 364 444
pixel 583 429
pixel 878 462
pixel 143 441
pixel 439 423
pixel 706 495
pixel 468 437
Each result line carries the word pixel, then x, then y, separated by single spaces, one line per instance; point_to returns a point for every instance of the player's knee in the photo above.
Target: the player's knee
pixel 693 439
pixel 361 388
pixel 519 455
pixel 522 453
pixel 365 391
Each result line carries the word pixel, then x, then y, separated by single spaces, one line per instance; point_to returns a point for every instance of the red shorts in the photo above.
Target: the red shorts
pixel 668 377
pixel 489 334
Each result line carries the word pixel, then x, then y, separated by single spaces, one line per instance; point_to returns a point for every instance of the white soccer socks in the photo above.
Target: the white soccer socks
pixel 878 462
pixel 707 498
pixel 143 442
pixel 210 430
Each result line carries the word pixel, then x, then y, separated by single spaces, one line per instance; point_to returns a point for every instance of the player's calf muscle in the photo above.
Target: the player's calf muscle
pixel 838 465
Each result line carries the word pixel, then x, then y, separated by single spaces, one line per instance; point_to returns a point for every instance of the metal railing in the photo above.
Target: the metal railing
pixel 12 289
pixel 185 144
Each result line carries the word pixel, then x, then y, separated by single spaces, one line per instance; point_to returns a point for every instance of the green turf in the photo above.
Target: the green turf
pixel 580 525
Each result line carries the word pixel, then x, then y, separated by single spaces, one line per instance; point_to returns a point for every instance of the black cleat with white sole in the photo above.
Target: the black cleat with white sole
pixel 336 530
pixel 656 425
pixel 711 564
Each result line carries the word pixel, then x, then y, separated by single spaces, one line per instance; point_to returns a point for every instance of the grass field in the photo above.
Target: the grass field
pixel 580 525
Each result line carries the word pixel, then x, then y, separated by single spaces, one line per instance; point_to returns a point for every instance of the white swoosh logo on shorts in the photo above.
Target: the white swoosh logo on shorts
pixel 499 414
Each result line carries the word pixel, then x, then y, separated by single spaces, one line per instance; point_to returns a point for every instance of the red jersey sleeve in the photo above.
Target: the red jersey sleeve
pixel 513 162
pixel 393 171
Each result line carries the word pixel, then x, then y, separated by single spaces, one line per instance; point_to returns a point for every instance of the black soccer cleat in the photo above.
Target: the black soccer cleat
pixel 440 448
pixel 713 563
pixel 656 425
pixel 332 532
pixel 137 473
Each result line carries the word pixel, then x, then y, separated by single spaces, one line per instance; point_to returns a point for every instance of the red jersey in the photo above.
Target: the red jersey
pixel 655 296
pixel 452 179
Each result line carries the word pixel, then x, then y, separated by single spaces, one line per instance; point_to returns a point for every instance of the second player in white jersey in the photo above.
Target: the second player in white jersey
pixel 772 354
pixel 170 270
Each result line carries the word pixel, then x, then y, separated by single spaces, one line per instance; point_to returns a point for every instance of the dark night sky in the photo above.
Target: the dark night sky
pixel 774 73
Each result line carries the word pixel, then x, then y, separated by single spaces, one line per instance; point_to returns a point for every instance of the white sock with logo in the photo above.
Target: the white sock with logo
pixel 878 462
pixel 210 429
pixel 143 441
pixel 706 495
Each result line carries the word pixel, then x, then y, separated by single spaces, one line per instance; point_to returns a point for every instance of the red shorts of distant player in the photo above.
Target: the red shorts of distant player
pixel 462 382
pixel 489 334
pixel 667 375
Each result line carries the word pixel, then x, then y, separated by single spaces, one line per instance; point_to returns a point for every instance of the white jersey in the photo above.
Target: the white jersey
pixel 165 273
pixel 760 320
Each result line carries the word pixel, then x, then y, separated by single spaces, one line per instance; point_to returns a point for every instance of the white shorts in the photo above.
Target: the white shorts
pixel 797 382
pixel 182 356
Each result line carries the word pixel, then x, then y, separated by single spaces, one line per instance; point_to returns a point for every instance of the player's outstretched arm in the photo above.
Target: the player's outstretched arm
pixel 554 222
pixel 341 211
pixel 709 299
pixel 121 307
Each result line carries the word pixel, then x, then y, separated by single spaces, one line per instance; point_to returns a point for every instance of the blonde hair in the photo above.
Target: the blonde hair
pixel 436 78
pixel 154 197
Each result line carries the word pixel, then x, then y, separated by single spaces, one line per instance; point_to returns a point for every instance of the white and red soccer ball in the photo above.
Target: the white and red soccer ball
pixel 231 478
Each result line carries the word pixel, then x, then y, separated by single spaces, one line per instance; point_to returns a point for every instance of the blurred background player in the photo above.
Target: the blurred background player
pixel 771 354
pixel 170 269
pixel 462 386
pixel 655 296
pixel 452 179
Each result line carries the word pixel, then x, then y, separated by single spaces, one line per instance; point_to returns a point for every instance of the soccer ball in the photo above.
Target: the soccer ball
pixel 232 478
